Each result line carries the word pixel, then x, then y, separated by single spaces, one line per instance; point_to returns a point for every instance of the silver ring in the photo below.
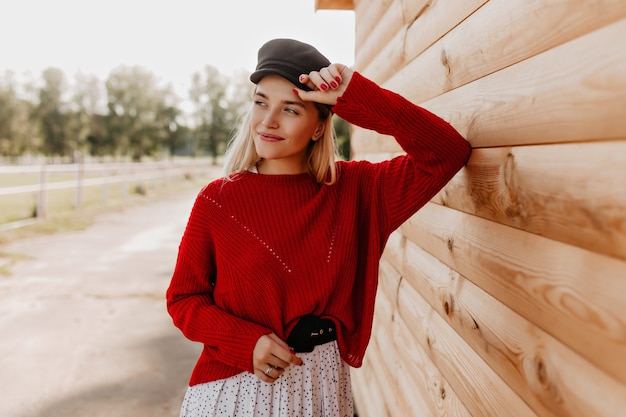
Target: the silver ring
pixel 269 370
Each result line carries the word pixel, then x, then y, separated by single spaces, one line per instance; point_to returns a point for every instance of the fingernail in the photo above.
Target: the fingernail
pixel 338 78
pixel 324 87
pixel 295 91
pixel 333 84
pixel 301 78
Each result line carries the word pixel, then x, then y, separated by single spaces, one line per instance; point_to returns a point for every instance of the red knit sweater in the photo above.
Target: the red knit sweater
pixel 278 247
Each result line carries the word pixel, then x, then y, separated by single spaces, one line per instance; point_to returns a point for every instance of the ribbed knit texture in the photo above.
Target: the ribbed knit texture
pixel 279 247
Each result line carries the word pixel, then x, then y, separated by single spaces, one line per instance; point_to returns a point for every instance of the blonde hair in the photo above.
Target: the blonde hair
pixel 322 154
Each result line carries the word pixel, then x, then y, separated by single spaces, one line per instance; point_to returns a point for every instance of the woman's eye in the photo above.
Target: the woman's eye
pixel 259 103
pixel 291 110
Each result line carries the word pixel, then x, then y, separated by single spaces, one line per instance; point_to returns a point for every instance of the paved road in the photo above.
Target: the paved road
pixel 83 326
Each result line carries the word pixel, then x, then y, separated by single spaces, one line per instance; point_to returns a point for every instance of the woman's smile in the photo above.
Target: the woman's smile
pixel 268 137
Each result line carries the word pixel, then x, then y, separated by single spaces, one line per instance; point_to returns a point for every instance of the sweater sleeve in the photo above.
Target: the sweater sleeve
pixel 190 298
pixel 435 151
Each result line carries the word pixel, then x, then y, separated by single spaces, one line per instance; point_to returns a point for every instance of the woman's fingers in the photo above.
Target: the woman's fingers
pixel 327 84
pixel 270 357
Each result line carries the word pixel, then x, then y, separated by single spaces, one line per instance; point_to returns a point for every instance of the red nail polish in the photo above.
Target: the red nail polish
pixel 333 84
pixel 338 78
pixel 295 91
pixel 324 87
pixel 301 78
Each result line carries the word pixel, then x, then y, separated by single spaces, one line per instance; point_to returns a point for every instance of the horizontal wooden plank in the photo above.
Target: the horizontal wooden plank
pixel 551 378
pixel 388 367
pixel 367 395
pixel 423 27
pixel 481 390
pixel 573 294
pixel 573 193
pixel 388 60
pixel 436 397
pixel 437 20
pixel 534 188
pixel 386 27
pixel 496 36
pixel 443 398
pixel 368 13
pixel 575 92
pixel 363 141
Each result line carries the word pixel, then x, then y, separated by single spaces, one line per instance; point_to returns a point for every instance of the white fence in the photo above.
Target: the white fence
pixel 142 175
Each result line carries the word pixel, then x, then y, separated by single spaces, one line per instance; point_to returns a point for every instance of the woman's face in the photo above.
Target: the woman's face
pixel 283 126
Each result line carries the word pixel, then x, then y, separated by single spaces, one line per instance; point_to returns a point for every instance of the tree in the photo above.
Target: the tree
pixel 136 111
pixel 211 114
pixel 49 113
pixel 86 119
pixel 7 115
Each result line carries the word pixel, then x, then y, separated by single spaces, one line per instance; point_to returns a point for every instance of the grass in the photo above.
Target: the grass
pixel 62 213
pixel 7 260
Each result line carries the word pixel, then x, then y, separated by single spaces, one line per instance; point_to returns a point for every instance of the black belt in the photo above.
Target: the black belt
pixel 310 332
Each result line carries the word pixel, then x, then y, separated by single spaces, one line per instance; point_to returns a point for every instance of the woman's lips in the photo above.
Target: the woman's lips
pixel 268 137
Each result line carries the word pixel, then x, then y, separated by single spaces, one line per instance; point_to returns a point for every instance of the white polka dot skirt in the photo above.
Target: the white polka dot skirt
pixel 320 388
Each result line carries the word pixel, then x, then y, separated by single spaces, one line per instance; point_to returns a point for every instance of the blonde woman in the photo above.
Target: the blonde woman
pixel 278 267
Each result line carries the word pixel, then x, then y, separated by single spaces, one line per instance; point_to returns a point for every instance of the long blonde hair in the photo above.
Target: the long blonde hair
pixel 322 154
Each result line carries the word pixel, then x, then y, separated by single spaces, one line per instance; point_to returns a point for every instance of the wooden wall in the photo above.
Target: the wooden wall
pixel 506 295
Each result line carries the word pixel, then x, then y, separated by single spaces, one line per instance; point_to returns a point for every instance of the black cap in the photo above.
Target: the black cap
pixel 288 58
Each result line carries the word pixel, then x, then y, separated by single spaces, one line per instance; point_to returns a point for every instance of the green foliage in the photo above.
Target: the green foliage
pixel 130 115
pixel 342 131
pixel 214 114
pixel 50 113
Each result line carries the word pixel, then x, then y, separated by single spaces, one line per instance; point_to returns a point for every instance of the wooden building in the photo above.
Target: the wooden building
pixel 506 295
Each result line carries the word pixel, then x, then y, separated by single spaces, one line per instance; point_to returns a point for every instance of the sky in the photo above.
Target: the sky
pixel 171 38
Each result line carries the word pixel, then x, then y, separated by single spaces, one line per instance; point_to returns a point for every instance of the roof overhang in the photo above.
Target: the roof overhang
pixel 334 4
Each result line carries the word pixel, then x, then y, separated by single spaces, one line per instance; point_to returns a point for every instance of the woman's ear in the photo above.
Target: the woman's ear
pixel 319 132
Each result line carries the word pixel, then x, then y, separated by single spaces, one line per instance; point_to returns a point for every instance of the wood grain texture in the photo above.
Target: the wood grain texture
pixel 480 389
pixel 423 26
pixel 503 295
pixel 469 52
pixel 573 193
pixel 536 101
pixel 435 394
pixel 543 371
pixel 573 294
pixel 385 28
pixel 368 13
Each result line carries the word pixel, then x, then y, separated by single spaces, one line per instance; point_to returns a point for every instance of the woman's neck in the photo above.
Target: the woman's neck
pixel 276 167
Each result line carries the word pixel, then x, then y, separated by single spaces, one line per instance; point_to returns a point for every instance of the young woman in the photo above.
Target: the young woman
pixel 277 269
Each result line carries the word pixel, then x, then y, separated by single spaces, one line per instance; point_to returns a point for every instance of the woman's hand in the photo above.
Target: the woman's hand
pixel 328 84
pixel 271 356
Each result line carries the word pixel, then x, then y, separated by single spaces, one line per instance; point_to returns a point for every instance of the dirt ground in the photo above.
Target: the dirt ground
pixel 83 325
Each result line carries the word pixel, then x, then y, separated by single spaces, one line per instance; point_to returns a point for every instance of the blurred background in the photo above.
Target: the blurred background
pixel 113 115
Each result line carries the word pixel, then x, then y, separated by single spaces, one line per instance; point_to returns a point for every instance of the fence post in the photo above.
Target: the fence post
pixel 42 200
pixel 80 173
pixel 105 184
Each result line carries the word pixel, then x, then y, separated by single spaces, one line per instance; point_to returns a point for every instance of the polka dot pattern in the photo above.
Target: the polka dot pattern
pixel 321 388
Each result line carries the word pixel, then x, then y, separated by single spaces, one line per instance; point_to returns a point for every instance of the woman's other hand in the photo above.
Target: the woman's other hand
pixel 327 84
pixel 271 356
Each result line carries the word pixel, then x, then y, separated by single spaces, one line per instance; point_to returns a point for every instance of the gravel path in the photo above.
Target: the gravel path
pixel 83 325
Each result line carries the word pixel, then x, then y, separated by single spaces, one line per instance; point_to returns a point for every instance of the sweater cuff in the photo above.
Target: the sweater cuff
pixel 237 351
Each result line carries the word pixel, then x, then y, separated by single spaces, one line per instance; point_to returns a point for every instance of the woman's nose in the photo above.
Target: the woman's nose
pixel 271 119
